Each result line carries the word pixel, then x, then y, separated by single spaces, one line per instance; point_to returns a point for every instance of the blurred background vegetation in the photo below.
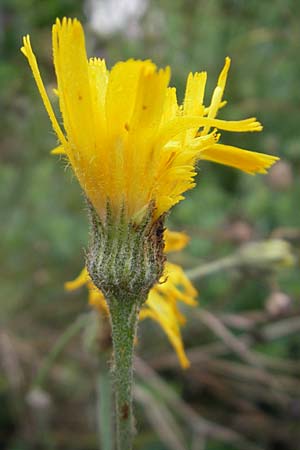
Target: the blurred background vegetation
pixel 243 389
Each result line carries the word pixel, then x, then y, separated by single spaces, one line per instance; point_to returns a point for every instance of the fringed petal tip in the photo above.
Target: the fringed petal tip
pixel 26 45
pixel 67 24
pixel 267 161
pixel 251 124
pixel 245 160
pixel 259 163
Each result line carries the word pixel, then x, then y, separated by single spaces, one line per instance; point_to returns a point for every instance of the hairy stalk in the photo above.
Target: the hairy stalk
pixel 125 260
pixel 124 317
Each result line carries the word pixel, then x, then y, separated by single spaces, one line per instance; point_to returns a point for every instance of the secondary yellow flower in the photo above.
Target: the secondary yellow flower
pixel 163 299
pixel 129 142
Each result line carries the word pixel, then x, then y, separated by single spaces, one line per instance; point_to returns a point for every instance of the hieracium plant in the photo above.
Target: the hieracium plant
pixel 134 152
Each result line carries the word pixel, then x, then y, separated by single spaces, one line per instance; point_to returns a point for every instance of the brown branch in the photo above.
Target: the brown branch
pixel 197 423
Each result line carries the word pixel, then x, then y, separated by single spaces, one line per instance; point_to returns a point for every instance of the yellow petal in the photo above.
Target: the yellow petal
pixel 58 150
pixel 158 309
pixel 150 98
pixel 162 306
pixel 194 94
pixel 121 94
pixel 175 285
pixel 193 99
pixel 27 51
pixel 223 75
pixel 71 67
pixel 180 124
pixel 98 78
pixel 175 241
pixel 125 129
pixel 142 127
pixel 79 281
pixel 97 300
pixel 216 100
pixel 170 105
pixel 249 162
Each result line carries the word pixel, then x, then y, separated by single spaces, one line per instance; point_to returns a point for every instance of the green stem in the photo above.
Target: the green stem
pixel 228 262
pixel 124 317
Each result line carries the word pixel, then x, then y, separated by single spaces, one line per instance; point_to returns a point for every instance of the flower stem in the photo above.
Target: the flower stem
pixel 124 317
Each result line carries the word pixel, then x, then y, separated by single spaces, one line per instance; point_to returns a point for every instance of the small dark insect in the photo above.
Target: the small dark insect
pixel 160 230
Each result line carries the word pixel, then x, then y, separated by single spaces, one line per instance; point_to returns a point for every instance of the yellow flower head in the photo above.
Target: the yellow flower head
pixel 163 299
pixel 129 142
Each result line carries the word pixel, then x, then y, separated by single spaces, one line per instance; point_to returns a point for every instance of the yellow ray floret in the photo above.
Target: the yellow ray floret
pixel 249 162
pixel 175 240
pixel 124 129
pixel 163 299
